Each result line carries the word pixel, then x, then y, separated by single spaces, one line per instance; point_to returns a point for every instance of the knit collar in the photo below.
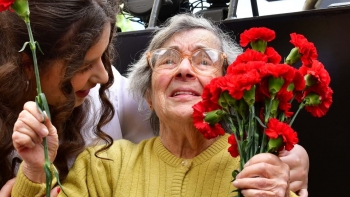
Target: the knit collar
pixel 207 154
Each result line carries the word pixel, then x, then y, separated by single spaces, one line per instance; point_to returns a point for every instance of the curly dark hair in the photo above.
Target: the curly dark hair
pixel 66 30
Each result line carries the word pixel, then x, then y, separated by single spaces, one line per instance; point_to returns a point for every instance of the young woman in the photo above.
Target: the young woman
pixel 75 37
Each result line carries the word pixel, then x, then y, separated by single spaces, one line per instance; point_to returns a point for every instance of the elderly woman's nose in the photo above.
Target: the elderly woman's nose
pixel 185 70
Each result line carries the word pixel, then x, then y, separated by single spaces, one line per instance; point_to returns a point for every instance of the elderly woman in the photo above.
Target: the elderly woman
pixel 181 59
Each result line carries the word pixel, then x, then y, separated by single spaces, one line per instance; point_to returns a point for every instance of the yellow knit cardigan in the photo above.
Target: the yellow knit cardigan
pixel 146 169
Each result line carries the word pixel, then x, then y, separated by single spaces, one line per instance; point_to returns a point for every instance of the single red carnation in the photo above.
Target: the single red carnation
pixel 278 70
pixel 275 128
pixel 5 4
pixel 208 131
pixel 318 72
pixel 237 84
pixel 326 98
pixel 233 149
pixel 256 33
pixel 306 49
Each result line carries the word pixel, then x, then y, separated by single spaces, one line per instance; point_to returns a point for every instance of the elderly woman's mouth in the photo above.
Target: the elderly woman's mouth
pixel 178 93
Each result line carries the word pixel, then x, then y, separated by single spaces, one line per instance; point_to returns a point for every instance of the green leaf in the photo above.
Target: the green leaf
pixel 213 117
pixel 37 44
pixel 58 179
pixel 45 105
pixel 24 46
pixel 259 121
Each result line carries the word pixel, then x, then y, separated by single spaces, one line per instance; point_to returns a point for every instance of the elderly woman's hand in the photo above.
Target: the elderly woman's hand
pixel 264 175
pixel 298 162
pixel 28 133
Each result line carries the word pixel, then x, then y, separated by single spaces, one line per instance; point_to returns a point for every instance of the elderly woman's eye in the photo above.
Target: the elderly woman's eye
pixel 166 62
pixel 169 61
pixel 204 62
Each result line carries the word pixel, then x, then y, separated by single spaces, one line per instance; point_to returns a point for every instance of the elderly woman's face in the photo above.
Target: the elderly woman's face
pixel 174 93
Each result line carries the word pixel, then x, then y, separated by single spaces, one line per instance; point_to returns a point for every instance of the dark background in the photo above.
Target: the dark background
pixel 326 139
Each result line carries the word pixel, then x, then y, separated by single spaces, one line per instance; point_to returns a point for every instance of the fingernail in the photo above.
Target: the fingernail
pixel 58 190
pixel 246 164
pixel 235 182
pixel 44 132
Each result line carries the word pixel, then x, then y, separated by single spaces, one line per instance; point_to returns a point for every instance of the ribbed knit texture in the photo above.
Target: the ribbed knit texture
pixel 146 169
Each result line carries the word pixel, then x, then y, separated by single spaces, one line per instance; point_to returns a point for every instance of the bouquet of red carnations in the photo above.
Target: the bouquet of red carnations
pixel 253 100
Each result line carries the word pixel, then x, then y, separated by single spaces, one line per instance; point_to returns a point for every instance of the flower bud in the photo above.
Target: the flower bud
pixel 312 99
pixel 293 56
pixel 249 96
pixel 21 7
pixel 259 45
pixel 226 100
pixel 275 85
pixel 213 117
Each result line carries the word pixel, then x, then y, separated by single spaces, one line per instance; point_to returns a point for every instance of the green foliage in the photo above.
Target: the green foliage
pixel 124 24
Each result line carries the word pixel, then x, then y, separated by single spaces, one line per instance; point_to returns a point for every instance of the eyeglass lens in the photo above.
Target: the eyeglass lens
pixel 203 60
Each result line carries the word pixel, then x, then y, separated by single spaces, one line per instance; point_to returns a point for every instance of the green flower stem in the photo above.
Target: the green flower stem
pixel 267 117
pixel 252 130
pixel 301 106
pixel 239 142
pixel 42 105
pixel 33 49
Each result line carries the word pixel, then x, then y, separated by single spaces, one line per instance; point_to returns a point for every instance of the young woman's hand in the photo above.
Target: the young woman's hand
pixel 7 188
pixel 264 175
pixel 298 162
pixel 28 133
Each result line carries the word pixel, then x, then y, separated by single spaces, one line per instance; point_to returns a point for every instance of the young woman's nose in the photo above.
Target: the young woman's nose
pixel 100 75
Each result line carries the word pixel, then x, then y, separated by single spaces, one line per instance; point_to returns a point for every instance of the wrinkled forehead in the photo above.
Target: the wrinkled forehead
pixel 191 40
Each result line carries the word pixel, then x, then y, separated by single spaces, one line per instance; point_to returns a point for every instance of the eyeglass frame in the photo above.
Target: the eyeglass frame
pixel 189 57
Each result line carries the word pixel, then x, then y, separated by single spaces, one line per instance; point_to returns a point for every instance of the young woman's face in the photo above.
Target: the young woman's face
pixel 90 74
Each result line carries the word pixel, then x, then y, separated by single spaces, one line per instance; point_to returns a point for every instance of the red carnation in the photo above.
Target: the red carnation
pixel 306 49
pixel 233 149
pixel 256 33
pixel 212 91
pixel 237 84
pixel 326 98
pixel 278 70
pixel 275 128
pixel 208 131
pixel 5 4
pixel 318 73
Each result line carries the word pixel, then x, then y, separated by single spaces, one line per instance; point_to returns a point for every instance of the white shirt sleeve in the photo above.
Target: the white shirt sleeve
pixel 127 123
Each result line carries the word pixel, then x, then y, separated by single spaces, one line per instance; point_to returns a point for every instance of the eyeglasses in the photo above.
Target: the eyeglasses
pixel 205 61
